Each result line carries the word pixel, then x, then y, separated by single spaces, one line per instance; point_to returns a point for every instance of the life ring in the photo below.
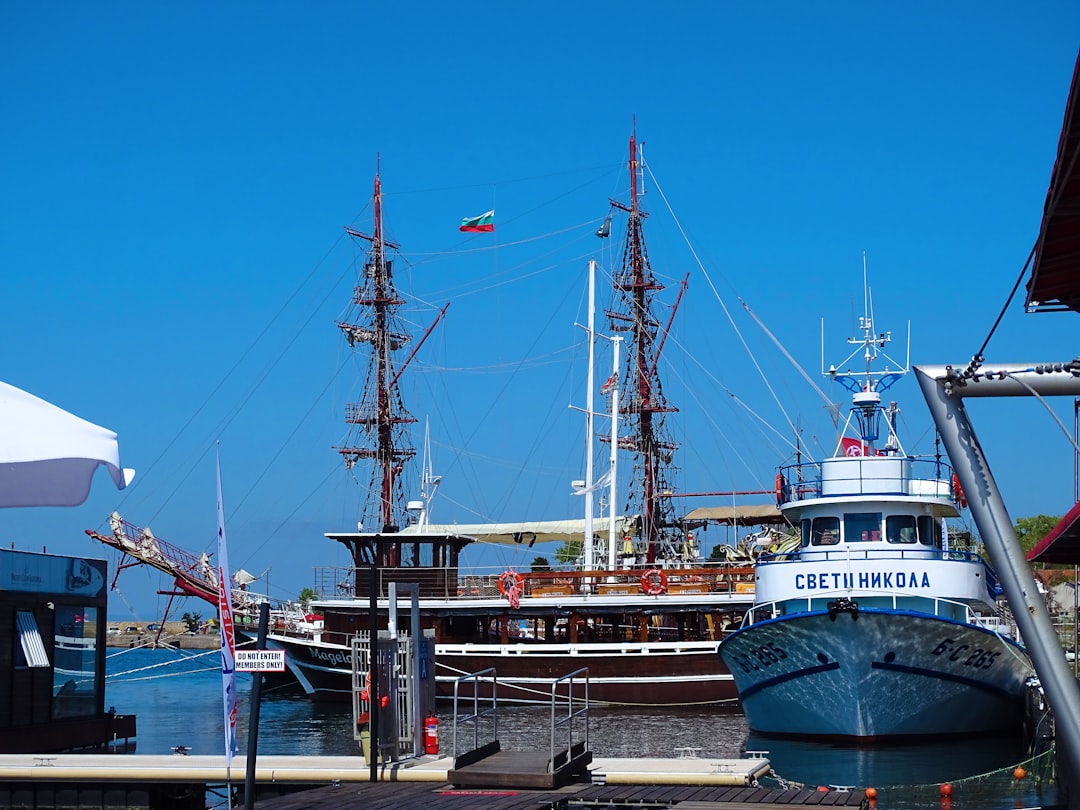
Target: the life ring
pixel 780 484
pixel 508 580
pixel 958 492
pixel 654 582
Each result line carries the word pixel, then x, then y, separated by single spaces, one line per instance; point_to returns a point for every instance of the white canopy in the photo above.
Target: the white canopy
pixel 48 456
pixel 527 532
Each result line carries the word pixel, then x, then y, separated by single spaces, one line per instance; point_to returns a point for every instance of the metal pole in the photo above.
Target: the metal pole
pixel 1076 495
pixel 253 721
pixel 373 661
pixel 944 396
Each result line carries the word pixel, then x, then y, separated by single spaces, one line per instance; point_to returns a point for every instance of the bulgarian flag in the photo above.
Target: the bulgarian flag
pixel 482 223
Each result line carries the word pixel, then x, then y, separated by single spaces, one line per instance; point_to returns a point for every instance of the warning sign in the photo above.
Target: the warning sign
pixel 260 660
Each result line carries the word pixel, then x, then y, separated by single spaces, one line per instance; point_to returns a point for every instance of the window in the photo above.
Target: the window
pixel 861 527
pixel 31 649
pixel 75 654
pixel 900 529
pixel 804 541
pixel 826 531
pixel 929 531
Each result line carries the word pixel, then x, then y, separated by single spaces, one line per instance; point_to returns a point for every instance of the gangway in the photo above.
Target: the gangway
pixel 487 765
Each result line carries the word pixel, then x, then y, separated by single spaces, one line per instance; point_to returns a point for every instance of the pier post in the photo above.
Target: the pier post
pixel 253 720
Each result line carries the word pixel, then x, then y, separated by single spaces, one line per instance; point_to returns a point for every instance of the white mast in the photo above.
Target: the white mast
pixel 612 539
pixel 590 330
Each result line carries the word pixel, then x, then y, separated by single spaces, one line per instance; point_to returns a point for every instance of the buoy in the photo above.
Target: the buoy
pixel 946 789
pixel 822 789
pixel 1019 773
pixel 871 794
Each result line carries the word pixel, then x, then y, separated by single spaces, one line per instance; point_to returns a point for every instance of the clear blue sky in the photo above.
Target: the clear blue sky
pixel 176 181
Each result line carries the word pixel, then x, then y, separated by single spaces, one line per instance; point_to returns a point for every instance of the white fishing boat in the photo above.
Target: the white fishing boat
pixel 877 626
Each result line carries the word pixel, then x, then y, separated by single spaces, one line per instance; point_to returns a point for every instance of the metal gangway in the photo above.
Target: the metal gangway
pixel 476 714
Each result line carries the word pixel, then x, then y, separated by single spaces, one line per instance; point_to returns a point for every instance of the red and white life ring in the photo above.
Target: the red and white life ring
pixel 510 580
pixel 654 582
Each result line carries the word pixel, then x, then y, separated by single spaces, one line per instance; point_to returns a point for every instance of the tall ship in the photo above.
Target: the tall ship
pixel 876 626
pixel 639 609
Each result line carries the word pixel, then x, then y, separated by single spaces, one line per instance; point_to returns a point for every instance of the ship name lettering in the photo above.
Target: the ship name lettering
pixel 336 658
pixel 866 579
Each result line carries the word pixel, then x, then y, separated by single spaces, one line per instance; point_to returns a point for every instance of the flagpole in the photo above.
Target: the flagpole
pixel 228 638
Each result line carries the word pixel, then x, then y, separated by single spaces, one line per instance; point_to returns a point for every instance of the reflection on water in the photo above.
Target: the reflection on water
pixel 884 765
pixel 177 698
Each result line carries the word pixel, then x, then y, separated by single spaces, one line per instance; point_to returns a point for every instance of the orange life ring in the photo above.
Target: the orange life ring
pixel 958 492
pixel 508 580
pixel 654 582
pixel 780 483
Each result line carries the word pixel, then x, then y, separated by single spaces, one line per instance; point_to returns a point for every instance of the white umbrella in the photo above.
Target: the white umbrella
pixel 48 456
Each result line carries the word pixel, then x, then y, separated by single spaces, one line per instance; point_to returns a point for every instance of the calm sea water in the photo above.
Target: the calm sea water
pixel 177 698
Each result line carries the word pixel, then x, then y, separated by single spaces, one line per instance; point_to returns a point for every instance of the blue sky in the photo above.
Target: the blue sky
pixel 176 182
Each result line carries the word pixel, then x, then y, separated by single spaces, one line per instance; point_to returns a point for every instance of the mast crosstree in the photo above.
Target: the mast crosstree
pixel 378 423
pixel 643 405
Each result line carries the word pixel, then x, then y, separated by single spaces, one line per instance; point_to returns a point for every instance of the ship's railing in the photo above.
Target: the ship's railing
pixel 924 476
pixel 839 601
pixel 478 583
pixel 876 551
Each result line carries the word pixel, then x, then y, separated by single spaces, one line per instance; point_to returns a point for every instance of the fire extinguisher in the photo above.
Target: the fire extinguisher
pixel 431 734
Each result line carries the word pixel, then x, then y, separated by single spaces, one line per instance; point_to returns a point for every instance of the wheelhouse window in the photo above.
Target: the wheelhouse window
pixel 804 541
pixel 825 531
pixel 929 531
pixel 862 527
pixel 900 529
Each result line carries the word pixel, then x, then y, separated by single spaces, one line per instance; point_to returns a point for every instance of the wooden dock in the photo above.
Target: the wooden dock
pixel 381 796
pixel 434 783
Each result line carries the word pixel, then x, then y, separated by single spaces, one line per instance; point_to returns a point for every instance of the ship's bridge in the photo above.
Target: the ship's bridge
pixel 873 475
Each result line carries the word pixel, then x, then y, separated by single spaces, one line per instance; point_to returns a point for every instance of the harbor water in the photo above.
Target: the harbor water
pixel 176 695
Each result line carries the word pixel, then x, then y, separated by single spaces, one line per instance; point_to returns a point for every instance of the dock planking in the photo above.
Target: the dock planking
pixel 387 795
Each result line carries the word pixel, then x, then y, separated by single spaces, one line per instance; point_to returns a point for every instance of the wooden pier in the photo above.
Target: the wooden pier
pixel 434 783
pixel 381 796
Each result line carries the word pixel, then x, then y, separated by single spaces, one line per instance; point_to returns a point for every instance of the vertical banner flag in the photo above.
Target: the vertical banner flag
pixel 482 223
pixel 228 639
pixel 944 536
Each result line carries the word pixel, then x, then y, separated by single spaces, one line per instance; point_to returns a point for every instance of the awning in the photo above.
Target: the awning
pixel 1062 545
pixel 1055 275
pixel 48 456
pixel 523 533
pixel 749 515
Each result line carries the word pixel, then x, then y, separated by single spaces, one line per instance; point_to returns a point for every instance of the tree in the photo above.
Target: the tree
pixel 305 598
pixel 192 621
pixel 540 564
pixel 569 552
pixel 1030 530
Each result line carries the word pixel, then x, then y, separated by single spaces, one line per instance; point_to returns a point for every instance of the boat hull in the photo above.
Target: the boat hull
pixel 876 673
pixel 619 674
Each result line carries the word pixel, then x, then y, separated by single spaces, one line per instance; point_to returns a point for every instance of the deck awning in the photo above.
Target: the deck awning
pixel 1062 545
pixel 525 532
pixel 747 515
pixel 1055 276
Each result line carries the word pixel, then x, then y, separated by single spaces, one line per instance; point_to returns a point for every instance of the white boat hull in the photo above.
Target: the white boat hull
pixel 875 673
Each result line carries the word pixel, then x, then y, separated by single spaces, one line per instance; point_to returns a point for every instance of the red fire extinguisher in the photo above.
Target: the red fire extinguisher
pixel 431 734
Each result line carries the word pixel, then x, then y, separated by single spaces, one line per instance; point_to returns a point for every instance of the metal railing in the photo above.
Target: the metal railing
pixel 948 608
pixel 478 714
pixel 567 722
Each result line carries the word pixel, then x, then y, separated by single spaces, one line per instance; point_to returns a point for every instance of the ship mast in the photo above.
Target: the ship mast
pixel 643 404
pixel 378 423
